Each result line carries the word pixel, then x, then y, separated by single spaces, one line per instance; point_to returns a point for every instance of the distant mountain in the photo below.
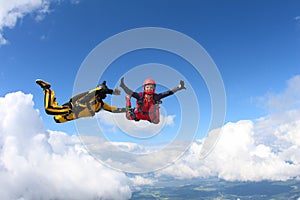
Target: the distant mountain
pixel 215 189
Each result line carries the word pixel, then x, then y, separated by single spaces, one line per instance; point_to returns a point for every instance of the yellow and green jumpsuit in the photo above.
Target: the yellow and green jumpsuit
pixel 85 104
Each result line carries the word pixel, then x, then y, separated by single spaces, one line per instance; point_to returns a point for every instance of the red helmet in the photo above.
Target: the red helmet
pixel 149 81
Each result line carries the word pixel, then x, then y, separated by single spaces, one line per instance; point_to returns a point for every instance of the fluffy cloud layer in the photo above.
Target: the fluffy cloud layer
pixel 267 148
pixel 251 150
pixel 286 100
pixel 239 156
pixel 39 164
pixel 139 129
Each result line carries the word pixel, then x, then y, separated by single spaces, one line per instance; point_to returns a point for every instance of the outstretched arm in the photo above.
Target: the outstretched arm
pixel 97 92
pixel 116 91
pixel 170 92
pixel 113 109
pixel 105 90
pixel 179 87
pixel 127 90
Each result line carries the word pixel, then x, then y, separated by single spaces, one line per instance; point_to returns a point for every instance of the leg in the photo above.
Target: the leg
pixel 64 118
pixel 43 84
pixel 128 107
pixel 155 116
pixel 51 106
pixel 130 111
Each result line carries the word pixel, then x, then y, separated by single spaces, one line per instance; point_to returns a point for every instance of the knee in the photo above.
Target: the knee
pixel 59 119
pixel 129 115
pixel 155 121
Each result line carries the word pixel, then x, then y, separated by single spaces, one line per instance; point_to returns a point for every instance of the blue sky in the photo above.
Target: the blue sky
pixel 254 44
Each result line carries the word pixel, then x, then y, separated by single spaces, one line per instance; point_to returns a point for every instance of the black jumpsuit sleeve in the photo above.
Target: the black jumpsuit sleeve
pixel 169 92
pixel 165 94
pixel 108 91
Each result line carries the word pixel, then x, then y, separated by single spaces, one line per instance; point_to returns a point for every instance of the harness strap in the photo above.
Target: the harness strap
pixel 101 104
pixel 76 109
pixel 140 103
pixel 132 114
pixel 88 105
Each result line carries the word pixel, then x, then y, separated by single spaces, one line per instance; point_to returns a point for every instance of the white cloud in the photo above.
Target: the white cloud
pixel 11 11
pixel 130 147
pixel 286 100
pixel 169 120
pixel 251 150
pixel 141 129
pixel 237 156
pixel 75 1
pixel 140 180
pixel 39 164
pixel 132 157
pixel 264 149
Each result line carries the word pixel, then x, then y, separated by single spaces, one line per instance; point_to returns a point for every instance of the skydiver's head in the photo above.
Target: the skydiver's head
pixel 103 85
pixel 101 94
pixel 149 86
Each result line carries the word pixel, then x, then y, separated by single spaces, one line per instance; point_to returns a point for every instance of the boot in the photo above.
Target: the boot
pixel 43 84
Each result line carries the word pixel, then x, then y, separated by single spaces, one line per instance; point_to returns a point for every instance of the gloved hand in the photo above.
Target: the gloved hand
pixel 123 110
pixel 181 85
pixel 120 110
pixel 116 91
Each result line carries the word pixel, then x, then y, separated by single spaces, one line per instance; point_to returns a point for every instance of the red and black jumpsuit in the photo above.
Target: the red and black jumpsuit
pixel 147 106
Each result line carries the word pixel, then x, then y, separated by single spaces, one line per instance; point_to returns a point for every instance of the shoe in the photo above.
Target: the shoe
pixel 43 84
